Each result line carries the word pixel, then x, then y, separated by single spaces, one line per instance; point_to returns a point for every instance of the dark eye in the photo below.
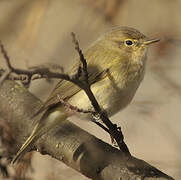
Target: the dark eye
pixel 129 42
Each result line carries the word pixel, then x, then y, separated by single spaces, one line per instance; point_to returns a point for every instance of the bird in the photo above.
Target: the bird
pixel 120 55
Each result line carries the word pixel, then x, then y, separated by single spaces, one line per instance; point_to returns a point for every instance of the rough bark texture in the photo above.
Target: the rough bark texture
pixel 68 143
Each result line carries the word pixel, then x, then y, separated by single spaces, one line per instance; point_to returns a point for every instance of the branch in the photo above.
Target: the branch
pixel 68 143
pixel 115 132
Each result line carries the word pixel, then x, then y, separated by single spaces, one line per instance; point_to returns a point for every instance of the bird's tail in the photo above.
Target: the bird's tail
pixel 47 122
pixel 27 145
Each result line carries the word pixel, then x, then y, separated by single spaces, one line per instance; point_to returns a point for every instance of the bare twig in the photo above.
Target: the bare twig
pixel 82 59
pixel 115 132
pixel 74 108
pixel 42 72
pixel 4 53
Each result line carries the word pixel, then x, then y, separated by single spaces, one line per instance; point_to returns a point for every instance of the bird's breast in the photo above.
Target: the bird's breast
pixel 114 92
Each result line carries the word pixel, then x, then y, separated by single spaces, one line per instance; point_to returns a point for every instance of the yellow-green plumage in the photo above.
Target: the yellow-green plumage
pixel 123 52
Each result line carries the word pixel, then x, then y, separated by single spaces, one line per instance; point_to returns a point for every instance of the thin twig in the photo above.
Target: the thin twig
pixel 82 59
pixel 4 53
pixel 43 72
pixel 74 108
pixel 115 132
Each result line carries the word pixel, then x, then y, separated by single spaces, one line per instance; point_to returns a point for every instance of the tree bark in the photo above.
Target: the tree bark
pixel 69 143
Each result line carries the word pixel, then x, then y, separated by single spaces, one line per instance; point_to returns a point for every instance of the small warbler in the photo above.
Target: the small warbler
pixel 123 53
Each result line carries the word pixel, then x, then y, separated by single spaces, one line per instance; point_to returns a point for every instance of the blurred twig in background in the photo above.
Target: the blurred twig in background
pixel 108 8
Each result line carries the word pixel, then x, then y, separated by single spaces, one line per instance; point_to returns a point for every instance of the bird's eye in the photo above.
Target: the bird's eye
pixel 129 42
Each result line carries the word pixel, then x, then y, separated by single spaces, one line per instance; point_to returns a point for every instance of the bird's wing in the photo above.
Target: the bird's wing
pixel 96 68
pixel 65 89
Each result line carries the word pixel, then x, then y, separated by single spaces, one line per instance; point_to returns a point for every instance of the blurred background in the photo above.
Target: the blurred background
pixel 36 32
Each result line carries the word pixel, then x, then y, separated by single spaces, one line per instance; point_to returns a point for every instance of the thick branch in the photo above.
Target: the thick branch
pixel 68 143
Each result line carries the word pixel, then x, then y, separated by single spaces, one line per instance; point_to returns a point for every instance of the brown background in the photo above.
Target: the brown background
pixel 38 31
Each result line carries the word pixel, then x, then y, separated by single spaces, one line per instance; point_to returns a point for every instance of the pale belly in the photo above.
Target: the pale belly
pixel 110 97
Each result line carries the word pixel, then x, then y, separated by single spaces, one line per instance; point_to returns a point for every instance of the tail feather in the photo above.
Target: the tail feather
pixel 26 146
pixel 48 121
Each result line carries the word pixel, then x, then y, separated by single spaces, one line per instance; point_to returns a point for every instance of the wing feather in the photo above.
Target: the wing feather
pixel 65 89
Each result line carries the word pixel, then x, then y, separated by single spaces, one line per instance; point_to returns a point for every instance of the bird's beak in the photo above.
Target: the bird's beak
pixel 150 41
